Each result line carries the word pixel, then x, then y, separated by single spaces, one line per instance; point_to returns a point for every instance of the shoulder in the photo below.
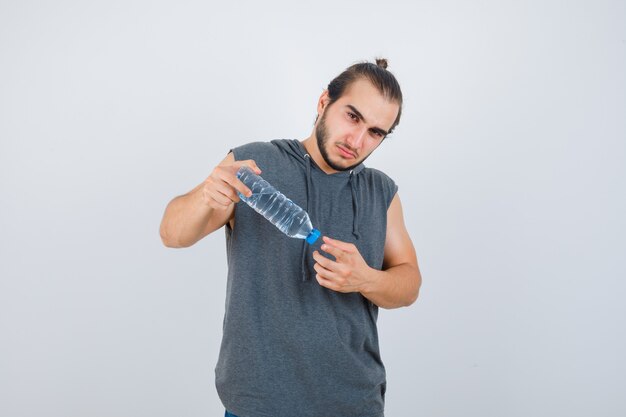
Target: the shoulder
pixel 378 178
pixel 380 182
pixel 251 149
pixel 272 147
pixel 259 149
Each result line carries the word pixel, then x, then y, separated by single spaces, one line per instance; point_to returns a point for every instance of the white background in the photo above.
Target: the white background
pixel 510 158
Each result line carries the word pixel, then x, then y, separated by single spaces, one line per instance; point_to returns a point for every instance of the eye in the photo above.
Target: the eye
pixel 378 134
pixel 353 116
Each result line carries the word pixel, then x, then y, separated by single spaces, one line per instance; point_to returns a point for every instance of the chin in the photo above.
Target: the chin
pixel 345 165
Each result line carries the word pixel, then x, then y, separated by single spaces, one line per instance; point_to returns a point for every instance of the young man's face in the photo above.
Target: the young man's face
pixel 353 126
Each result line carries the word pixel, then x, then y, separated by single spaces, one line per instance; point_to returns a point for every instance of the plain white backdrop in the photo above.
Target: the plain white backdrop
pixel 510 158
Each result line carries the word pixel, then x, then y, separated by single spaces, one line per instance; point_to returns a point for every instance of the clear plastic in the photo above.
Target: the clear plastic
pixel 283 213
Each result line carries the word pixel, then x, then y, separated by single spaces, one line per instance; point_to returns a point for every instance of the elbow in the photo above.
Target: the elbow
pixel 405 301
pixel 414 294
pixel 412 299
pixel 176 242
pixel 167 239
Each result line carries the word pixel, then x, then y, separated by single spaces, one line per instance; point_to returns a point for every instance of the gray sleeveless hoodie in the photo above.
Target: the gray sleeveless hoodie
pixel 290 347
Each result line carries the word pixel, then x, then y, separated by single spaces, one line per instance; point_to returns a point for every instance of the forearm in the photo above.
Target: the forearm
pixel 185 220
pixel 395 287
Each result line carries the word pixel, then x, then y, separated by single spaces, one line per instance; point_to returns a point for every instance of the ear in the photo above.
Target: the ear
pixel 322 102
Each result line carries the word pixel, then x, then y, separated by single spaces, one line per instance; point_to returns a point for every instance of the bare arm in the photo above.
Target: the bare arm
pixel 398 284
pixel 209 206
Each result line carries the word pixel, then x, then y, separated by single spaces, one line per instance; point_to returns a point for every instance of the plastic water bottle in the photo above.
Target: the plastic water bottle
pixel 283 213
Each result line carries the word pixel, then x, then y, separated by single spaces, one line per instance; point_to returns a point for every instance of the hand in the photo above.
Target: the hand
pixel 348 273
pixel 219 190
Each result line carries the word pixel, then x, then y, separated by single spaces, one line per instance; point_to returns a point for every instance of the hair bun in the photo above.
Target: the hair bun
pixel 381 62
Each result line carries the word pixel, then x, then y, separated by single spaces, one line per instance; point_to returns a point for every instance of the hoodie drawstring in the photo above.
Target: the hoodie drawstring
pixel 355 206
pixel 305 270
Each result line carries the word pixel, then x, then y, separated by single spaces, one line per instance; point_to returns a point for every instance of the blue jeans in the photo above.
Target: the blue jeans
pixel 227 414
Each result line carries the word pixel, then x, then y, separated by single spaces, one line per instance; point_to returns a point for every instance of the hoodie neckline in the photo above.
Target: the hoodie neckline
pixel 337 174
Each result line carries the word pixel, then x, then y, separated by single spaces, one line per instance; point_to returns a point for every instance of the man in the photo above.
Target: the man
pixel 294 346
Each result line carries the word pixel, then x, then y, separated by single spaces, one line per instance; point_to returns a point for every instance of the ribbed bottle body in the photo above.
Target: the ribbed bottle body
pixel 266 200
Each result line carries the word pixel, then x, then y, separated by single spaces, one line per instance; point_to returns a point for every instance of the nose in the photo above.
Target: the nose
pixel 357 137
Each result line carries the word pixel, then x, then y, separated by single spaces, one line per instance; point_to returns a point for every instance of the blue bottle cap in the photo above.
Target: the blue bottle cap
pixel 312 237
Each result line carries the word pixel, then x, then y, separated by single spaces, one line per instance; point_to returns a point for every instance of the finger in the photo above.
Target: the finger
pixel 345 246
pixel 324 261
pixel 332 250
pixel 326 283
pixel 231 179
pixel 235 181
pixel 225 190
pixel 219 202
pixel 214 196
pixel 238 185
pixel 327 273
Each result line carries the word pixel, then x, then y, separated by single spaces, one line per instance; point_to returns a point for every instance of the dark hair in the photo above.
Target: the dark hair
pixel 377 74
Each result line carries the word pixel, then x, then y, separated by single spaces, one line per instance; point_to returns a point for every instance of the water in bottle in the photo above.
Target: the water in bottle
pixel 283 213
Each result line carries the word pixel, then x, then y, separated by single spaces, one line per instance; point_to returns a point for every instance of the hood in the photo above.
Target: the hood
pixel 296 149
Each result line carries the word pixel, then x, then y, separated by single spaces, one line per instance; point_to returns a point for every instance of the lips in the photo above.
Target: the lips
pixel 346 153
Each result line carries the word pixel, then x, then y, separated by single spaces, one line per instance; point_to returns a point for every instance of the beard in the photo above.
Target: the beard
pixel 322 134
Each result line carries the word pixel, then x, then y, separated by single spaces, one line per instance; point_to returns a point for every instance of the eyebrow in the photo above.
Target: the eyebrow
pixel 360 116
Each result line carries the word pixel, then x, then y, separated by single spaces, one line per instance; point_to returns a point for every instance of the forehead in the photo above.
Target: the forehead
pixel 375 108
